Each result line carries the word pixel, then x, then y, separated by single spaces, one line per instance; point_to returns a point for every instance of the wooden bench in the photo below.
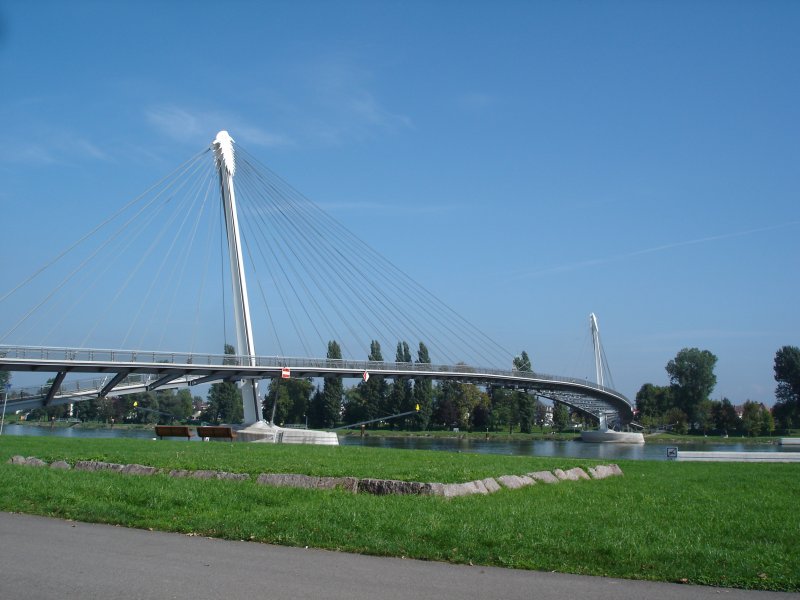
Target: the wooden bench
pixel 216 432
pixel 163 431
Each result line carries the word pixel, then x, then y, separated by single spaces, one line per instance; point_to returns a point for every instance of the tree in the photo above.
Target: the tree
pixel 560 416
pixel 355 408
pixel 505 408
pixel 224 404
pixel 374 392
pixel 724 416
pixel 525 408
pixel 291 398
pixel 401 395
pixel 522 363
pixel 692 377
pixel 423 391
pixel 224 398
pixel 752 420
pixel 787 374
pixel 652 401
pixel 332 391
pixel 676 419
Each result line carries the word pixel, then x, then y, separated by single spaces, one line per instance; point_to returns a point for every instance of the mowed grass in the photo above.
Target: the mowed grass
pixel 723 524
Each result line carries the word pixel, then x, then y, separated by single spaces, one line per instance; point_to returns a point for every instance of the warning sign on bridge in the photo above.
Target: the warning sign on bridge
pixel 286 373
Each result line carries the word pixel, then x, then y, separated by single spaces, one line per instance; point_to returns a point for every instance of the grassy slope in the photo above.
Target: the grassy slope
pixel 720 524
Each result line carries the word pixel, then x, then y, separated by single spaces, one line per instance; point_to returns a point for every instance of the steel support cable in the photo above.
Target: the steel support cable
pixel 97 228
pixel 380 298
pixel 282 208
pixel 440 307
pixel 322 288
pixel 289 241
pixel 126 233
pixel 312 274
pixel 188 199
pixel 333 282
pixel 437 305
pixel 312 217
pixel 204 274
pixel 184 252
pixel 273 326
pixel 286 305
pixel 264 296
pixel 154 243
pixel 64 281
pixel 298 329
pixel 124 243
pixel 187 251
pixel 154 280
pixel 135 270
pixel 310 294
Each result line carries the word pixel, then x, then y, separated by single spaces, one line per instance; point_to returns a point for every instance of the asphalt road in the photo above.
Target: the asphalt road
pixel 43 558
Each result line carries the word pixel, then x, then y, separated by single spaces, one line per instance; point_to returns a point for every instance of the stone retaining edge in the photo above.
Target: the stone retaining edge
pixel 378 487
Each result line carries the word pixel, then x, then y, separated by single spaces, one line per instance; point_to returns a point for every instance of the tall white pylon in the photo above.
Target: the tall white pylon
pixel 598 351
pixel 226 166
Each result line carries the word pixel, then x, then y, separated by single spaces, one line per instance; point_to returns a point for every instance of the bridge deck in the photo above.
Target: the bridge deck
pixel 158 370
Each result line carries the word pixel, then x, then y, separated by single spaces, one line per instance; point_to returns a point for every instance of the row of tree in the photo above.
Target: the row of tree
pixel 443 405
pixel 685 403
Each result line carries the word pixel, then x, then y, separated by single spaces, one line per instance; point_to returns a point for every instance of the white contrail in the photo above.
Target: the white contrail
pixel 601 261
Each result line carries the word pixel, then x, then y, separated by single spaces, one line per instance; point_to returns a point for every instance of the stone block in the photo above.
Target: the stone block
pixel 527 480
pixel 615 469
pixel 96 465
pixel 202 474
pixel 16 460
pixel 61 464
pixel 491 485
pixel 543 476
pixel 453 490
pixel 579 473
pixel 382 487
pixel 179 473
pixel 138 470
pixel 601 472
pixel 233 476
pixel 480 486
pixel 512 482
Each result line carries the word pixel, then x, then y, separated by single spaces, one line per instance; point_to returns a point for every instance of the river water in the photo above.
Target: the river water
pixel 570 449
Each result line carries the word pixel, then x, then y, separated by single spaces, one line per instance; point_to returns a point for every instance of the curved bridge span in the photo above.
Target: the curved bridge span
pixel 130 371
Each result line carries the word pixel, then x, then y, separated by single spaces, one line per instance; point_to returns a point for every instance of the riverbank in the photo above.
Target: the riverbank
pixel 497 436
pixel 717 524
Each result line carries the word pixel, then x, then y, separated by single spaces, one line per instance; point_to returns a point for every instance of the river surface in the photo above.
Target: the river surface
pixel 570 449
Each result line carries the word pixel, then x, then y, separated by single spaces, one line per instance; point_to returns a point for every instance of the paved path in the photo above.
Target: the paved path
pixel 44 558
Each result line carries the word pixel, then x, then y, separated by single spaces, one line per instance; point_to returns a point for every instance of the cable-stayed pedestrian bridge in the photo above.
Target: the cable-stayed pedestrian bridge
pixel 126 371
pixel 143 277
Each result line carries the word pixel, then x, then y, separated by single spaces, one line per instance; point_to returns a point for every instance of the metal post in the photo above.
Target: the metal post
pixel 5 399
pixel 224 155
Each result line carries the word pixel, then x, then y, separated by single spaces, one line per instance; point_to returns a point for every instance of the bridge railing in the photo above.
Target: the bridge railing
pixel 275 362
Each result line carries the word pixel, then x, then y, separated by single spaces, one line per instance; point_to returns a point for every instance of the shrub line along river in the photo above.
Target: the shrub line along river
pixel 533 447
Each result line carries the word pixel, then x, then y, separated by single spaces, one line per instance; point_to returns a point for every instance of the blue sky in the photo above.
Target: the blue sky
pixel 529 162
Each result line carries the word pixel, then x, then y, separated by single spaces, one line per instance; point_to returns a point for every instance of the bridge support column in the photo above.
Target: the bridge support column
pixel 226 166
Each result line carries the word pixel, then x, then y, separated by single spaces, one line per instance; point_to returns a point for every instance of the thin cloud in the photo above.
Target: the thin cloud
pixel 190 126
pixel 342 105
pixel 55 148
pixel 610 259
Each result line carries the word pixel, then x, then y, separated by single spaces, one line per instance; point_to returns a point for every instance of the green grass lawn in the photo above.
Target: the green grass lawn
pixel 721 524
